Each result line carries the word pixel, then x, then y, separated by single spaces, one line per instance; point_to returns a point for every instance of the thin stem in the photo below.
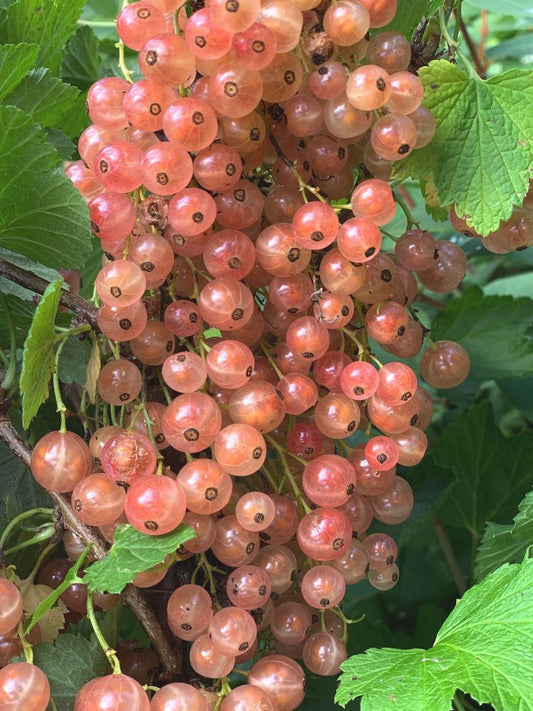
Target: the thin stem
pixel 45 535
pixel 114 348
pixel 61 407
pixel 468 64
pixel 8 381
pixel 302 185
pixel 18 519
pixel 270 478
pixel 164 387
pixel 121 55
pixel 122 62
pixel 323 620
pixel 458 705
pixel 225 688
pixel 449 556
pixel 26 646
pixel 342 445
pixel 208 569
pixel 407 211
pixel 108 651
pixel 443 21
pixel 287 472
pixel 346 622
pixel 389 235
pixel 76 331
pixel 267 352
pixel 97 23
pixel 480 68
pixel 360 347
pixel 150 428
pixel 42 557
pixel 458 20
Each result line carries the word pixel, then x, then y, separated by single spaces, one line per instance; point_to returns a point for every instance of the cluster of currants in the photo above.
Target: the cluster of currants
pixel 239 306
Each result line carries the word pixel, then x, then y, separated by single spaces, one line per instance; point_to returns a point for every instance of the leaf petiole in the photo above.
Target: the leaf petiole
pixel 108 651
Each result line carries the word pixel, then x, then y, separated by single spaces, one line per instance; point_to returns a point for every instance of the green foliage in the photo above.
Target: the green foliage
pixel 15 62
pixel 44 97
pixel 409 14
pixel 516 8
pixel 81 62
pixel 19 490
pixel 69 664
pixel 479 650
pixel 131 553
pixel 47 24
pixel 494 330
pixel 64 146
pixel 474 473
pixel 74 361
pixel 481 153
pixel 506 543
pixel 38 356
pixel 108 622
pixel 492 472
pixel 41 214
pixel 48 603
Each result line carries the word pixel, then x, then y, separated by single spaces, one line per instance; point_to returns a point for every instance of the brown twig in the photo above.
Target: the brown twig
pixel 449 556
pixel 481 67
pixel 82 308
pixel 484 33
pixel 170 656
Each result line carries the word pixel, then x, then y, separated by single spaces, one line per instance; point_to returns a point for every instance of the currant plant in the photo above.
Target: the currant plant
pixel 266 355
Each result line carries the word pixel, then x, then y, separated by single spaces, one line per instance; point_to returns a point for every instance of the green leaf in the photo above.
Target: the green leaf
pixel 520 393
pixel 492 472
pixel 47 604
pixel 480 649
pixel 492 329
pixel 20 491
pixel 506 543
pixel 109 623
pixel 514 47
pixel 16 60
pixel 42 215
pixel 38 355
pixel 64 146
pixel 481 152
pixel 409 14
pixel 81 63
pixel 21 313
pixel 74 361
pixel 47 24
pixel 44 97
pixel 69 664
pixel 518 8
pixel 131 553
pixel 515 285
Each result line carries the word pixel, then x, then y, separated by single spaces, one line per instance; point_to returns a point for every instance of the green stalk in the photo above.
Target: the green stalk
pixel 108 651
pixel 21 517
pixel 8 382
